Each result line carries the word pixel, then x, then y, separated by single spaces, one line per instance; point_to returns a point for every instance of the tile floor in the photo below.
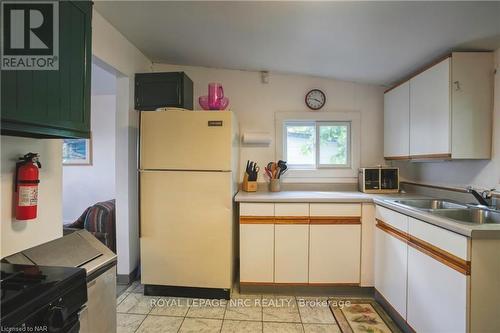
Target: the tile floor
pixel 244 313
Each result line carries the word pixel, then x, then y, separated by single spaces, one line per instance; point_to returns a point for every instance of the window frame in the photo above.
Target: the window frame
pixel 337 174
pixel 317 143
pixel 285 141
pixel 333 166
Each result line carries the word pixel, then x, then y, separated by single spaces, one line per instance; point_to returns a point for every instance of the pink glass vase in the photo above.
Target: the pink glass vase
pixel 215 99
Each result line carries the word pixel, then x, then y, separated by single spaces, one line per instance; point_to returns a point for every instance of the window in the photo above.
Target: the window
pixel 317 144
pixel 320 147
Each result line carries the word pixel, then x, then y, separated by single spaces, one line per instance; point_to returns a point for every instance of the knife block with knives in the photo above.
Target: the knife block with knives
pixel 250 178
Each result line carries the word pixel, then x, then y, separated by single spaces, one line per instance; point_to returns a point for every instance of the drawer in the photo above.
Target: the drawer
pixel 291 209
pixel 392 218
pixel 256 209
pixel 335 209
pixel 443 239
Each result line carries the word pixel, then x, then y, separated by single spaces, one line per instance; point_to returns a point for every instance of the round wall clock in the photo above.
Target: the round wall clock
pixel 315 99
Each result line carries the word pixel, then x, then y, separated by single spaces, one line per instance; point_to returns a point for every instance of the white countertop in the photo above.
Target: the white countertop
pixel 303 196
pixel 467 229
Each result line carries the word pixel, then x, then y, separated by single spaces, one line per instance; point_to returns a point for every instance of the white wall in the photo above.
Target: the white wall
pixel 111 48
pixel 255 104
pixel 20 235
pixel 484 174
pixel 85 185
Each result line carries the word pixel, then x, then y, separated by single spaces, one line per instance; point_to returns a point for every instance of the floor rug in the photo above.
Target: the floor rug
pixel 361 316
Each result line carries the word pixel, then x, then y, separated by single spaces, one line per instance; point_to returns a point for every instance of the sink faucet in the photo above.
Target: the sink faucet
pixel 483 197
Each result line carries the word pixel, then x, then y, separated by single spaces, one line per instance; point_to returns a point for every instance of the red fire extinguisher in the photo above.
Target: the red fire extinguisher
pixel 27 180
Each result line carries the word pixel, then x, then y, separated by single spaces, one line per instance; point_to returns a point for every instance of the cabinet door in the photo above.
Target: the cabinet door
pixel 256 252
pixel 291 243
pixel 54 103
pixel 437 295
pixel 430 113
pixel 391 269
pixel 397 121
pixel 334 253
pixel 472 95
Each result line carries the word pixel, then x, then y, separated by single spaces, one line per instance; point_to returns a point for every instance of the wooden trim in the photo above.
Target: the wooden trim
pixel 298 284
pixel 293 284
pixel 430 157
pixel 382 191
pixel 402 236
pixel 243 283
pixel 392 311
pixel 335 284
pixel 440 255
pixel 335 220
pixel 274 283
pixel 444 257
pixel 397 158
pixel 291 220
pixel 256 219
pixel 421 70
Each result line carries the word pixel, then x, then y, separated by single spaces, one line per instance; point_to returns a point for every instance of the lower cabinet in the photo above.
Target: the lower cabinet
pixel 391 269
pixel 291 258
pixel 437 295
pixel 334 253
pixel 256 253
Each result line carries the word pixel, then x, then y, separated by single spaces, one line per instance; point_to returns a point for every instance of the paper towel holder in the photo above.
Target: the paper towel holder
pixel 256 138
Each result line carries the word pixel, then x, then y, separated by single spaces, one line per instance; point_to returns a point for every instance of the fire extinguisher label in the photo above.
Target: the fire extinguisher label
pixel 28 196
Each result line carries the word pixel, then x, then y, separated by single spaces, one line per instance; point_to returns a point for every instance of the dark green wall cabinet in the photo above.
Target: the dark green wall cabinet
pixel 157 90
pixel 54 104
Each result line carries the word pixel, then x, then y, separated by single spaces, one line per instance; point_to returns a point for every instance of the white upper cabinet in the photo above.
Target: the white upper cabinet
pixel 472 104
pixel 430 116
pixel 397 121
pixel 444 112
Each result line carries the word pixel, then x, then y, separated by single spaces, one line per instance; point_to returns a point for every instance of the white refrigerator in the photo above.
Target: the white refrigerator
pixel 188 169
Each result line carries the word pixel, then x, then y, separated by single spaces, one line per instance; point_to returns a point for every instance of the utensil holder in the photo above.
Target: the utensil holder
pixel 248 186
pixel 274 185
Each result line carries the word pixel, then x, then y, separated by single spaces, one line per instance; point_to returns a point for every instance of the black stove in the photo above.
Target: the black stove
pixel 41 298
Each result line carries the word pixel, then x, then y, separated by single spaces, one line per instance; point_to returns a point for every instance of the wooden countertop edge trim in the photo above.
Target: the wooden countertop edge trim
pixel 256 219
pixel 397 158
pixel 304 284
pixel 349 220
pixel 430 156
pixel 444 257
pixel 291 220
pixel 402 236
pixel 440 255
pixel 318 220
pixel 418 157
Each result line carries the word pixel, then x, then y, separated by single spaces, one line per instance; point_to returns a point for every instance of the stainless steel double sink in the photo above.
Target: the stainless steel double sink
pixel 453 210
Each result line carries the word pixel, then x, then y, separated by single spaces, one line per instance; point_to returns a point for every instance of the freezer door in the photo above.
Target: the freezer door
pixel 186 230
pixel 187 140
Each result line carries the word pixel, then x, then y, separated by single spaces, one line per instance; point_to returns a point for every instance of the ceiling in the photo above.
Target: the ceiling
pixel 369 42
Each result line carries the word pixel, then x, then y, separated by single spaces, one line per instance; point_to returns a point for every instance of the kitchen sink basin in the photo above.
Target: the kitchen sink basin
pixel 430 204
pixel 471 215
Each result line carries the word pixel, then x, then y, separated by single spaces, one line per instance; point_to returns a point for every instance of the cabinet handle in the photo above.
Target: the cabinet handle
pixel 457 85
